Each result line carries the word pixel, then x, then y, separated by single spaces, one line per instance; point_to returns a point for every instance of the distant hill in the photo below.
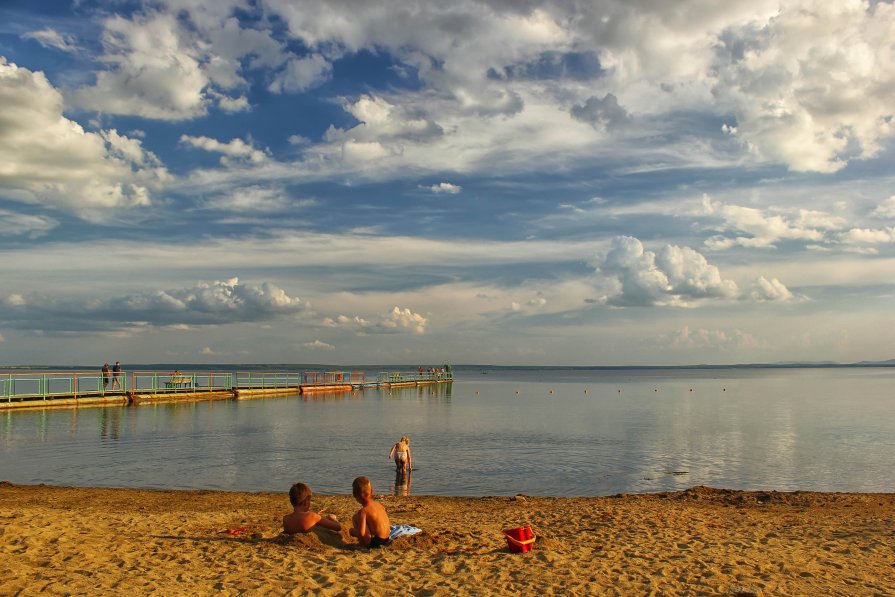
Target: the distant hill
pixel 890 362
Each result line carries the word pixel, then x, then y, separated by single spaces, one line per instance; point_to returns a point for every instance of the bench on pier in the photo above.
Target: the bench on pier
pixel 179 381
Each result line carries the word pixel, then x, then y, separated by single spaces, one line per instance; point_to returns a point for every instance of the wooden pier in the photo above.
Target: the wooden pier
pixel 21 390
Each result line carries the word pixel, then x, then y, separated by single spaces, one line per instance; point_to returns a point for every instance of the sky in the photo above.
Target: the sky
pixel 509 182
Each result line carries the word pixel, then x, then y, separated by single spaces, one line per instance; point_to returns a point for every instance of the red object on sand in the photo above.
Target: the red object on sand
pixel 520 539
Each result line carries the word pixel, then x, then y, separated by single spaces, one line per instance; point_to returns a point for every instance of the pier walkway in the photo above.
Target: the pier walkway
pixel 24 389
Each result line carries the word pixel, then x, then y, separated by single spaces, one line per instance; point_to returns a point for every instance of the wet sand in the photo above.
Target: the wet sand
pixel 701 541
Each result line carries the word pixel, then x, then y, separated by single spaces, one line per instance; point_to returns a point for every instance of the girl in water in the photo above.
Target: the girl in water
pixel 401 453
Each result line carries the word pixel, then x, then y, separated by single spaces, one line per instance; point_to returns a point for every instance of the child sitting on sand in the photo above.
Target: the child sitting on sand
pixel 371 524
pixel 302 520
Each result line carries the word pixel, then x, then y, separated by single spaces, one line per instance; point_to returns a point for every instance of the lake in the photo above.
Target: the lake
pixel 494 431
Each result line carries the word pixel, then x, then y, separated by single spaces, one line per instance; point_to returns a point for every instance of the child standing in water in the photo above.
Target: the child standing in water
pixel 401 453
pixel 371 524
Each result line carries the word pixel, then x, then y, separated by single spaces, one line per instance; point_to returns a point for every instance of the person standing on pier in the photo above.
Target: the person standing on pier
pixel 105 376
pixel 116 374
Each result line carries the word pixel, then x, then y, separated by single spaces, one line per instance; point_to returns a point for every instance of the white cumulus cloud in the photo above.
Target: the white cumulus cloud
pixel 48 159
pixel 886 209
pixel 396 320
pixel 445 188
pixel 673 276
pixel 318 345
pixel 235 150
pixel 770 290
pixel 215 303
pixel 301 74
pixel 810 86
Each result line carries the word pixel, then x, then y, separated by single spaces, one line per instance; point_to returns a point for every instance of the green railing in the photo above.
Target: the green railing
pixel 53 384
pixel 19 386
pixel 267 379
pixel 155 382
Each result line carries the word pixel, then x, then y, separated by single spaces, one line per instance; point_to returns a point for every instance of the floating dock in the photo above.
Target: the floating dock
pixel 70 389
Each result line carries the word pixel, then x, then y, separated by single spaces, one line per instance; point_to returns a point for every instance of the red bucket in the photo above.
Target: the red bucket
pixel 519 540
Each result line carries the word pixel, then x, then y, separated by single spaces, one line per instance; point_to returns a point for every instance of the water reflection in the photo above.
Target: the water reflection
pixel 401 486
pixel 110 423
pixel 438 392
pixel 492 435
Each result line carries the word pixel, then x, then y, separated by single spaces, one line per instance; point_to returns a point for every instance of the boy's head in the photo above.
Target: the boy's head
pixel 298 493
pixel 361 488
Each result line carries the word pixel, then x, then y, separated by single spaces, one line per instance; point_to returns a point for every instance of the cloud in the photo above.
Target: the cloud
pixel 603 113
pixel 301 74
pixel 384 122
pixel 175 65
pixel 318 345
pixel 49 159
pixel 770 290
pixel 255 199
pixel 868 236
pixel 886 209
pixel 445 188
pixel 233 104
pixel 763 66
pixel 424 34
pixel 399 319
pixel 750 227
pixel 715 339
pixel 396 320
pixel 675 276
pixel 155 71
pixel 19 224
pixel 809 86
pixel 206 350
pixel 233 151
pixel 15 300
pixel 50 38
pixel 216 303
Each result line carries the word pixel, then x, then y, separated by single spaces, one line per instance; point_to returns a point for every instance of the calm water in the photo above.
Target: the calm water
pixel 539 432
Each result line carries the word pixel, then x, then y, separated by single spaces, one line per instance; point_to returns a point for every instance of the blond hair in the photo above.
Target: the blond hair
pixel 405 440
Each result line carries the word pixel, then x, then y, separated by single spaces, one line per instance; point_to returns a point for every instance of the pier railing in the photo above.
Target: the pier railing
pixel 44 385
pixel 386 377
pixel 47 385
pixel 154 382
pixel 267 379
pixel 329 378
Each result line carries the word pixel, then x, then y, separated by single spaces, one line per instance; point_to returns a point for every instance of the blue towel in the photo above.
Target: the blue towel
pixel 400 530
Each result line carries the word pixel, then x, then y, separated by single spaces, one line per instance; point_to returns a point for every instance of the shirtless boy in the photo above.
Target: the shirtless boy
pixel 302 519
pixel 371 525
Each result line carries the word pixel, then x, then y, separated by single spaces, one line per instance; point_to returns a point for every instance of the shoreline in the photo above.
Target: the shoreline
pixel 701 540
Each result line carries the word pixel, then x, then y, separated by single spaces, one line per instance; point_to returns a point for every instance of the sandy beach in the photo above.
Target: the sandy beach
pixel 707 541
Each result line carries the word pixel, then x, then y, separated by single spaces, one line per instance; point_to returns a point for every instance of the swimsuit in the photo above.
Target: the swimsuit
pixel 376 542
pixel 400 456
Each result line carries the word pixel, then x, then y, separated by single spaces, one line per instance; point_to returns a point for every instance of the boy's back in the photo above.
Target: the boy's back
pixel 371 523
pixel 377 520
